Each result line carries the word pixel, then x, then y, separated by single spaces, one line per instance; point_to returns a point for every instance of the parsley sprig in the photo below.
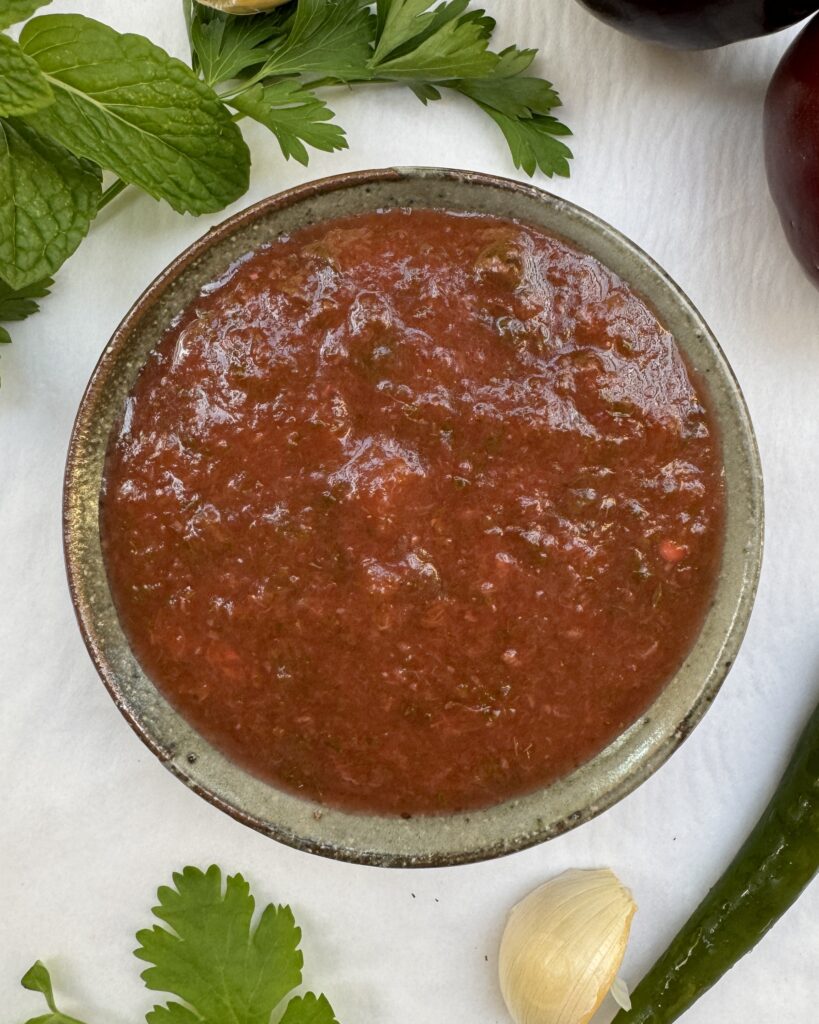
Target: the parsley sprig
pixel 269 66
pixel 211 955
pixel 78 99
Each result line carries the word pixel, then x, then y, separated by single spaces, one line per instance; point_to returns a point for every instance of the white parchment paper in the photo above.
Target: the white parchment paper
pixel 668 149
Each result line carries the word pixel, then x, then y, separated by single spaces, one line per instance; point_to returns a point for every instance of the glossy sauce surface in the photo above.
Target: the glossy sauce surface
pixel 413 511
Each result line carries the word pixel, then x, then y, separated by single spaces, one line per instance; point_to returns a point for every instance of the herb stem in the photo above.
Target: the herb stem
pixel 111 193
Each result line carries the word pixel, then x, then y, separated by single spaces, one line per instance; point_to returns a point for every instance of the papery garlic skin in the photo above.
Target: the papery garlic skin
pixel 243 6
pixel 562 947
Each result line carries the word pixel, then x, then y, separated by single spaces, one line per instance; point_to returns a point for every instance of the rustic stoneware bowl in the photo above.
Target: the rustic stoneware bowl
pixel 434 840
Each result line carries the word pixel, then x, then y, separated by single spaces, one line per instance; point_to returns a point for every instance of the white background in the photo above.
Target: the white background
pixel 668 149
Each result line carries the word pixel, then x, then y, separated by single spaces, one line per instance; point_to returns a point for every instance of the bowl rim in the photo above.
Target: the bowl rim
pixel 74 503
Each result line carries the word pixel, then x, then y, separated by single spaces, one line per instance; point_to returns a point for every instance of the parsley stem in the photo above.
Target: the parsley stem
pixel 112 192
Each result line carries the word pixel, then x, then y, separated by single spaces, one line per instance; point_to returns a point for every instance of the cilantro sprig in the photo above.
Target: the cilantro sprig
pixel 219 960
pixel 78 99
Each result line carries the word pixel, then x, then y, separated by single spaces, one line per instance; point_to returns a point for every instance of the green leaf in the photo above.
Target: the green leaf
pixel 307 1009
pixel 507 90
pixel 532 142
pixel 17 304
pixel 48 199
pixel 294 115
pixel 212 958
pixel 225 46
pixel 439 44
pixel 328 37
pixel 12 11
pixel 425 91
pixel 399 22
pixel 129 106
pixel 23 89
pixel 411 26
pixel 172 1013
pixel 37 979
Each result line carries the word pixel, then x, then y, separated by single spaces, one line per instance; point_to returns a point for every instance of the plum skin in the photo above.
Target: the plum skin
pixel 791 128
pixel 699 24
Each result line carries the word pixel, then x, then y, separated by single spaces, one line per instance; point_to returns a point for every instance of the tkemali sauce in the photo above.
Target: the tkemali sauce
pixel 413 511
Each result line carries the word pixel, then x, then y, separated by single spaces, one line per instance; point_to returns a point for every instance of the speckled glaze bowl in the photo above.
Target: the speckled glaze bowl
pixel 433 840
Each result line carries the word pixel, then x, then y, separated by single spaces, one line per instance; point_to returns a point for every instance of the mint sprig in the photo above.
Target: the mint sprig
pixel 124 103
pixel 48 198
pixel 14 11
pixel 23 87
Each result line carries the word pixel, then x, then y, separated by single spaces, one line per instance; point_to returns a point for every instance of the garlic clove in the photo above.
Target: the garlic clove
pixel 562 947
pixel 620 994
pixel 243 6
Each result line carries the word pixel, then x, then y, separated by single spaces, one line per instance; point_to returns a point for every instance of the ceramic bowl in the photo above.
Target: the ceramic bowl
pixel 425 840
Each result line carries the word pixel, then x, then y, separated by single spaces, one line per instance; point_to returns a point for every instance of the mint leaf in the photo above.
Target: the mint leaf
pixel 13 11
pixel 126 104
pixel 48 199
pixel 37 979
pixel 225 46
pixel 294 115
pixel 330 37
pixel 212 958
pixel 308 1009
pixel 444 43
pixel 22 87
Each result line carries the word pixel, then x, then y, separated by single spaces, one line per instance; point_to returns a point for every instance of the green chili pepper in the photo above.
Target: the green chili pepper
pixel 775 864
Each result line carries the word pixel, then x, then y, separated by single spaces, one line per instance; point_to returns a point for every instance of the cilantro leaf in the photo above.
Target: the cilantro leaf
pixel 294 115
pixel 443 43
pixel 126 104
pixel 330 37
pixel 308 1009
pixel 212 957
pixel 37 979
pixel 13 11
pixel 225 46
pixel 23 88
pixel 48 199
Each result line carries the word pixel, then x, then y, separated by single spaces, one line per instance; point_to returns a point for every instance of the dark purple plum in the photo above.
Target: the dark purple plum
pixel 700 24
pixel 792 145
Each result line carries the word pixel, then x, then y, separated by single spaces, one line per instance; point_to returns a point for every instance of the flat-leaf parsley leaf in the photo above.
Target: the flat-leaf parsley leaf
pixel 19 303
pixel 294 115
